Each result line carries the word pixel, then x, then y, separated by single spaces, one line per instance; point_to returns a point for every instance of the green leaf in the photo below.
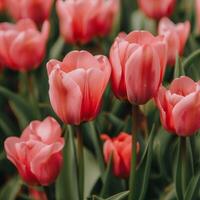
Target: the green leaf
pixel 143 172
pixel 193 188
pixel 10 189
pixel 20 106
pixel 67 182
pixel 57 48
pixel 191 58
pixel 119 196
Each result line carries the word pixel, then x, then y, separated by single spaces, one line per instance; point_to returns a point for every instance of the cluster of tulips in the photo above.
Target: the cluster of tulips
pixel 148 78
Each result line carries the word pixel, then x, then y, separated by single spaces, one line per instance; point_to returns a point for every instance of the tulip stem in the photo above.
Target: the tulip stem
pixel 80 163
pixel 132 180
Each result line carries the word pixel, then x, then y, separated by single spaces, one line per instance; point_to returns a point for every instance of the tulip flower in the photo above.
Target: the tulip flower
pixel 180 106
pixel 2 5
pixel 37 10
pixel 37 195
pixel 138 65
pixel 176 36
pixel 82 20
pixel 120 149
pixel 22 45
pixel 157 9
pixel 37 153
pixel 77 85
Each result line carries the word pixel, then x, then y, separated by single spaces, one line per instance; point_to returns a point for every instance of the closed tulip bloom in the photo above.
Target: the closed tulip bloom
pixel 138 65
pixel 23 41
pixel 157 9
pixel 76 85
pixel 82 20
pixel 120 148
pixel 180 106
pixel 37 10
pixel 37 153
pixel 176 36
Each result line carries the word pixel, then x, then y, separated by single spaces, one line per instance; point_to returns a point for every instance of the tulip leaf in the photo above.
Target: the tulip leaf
pixel 119 196
pixel 143 172
pixel 191 58
pixel 67 182
pixel 11 189
pixel 193 188
pixel 20 106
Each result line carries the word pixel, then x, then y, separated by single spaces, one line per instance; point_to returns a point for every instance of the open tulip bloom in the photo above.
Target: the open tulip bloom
pixel 99 99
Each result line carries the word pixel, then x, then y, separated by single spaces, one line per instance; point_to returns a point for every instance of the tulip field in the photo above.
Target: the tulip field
pixel 100 100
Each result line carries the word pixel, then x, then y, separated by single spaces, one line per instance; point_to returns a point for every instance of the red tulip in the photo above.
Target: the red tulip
pixel 37 153
pixel 138 64
pixel 2 5
pixel 23 41
pixel 82 20
pixel 176 36
pixel 180 106
pixel 37 10
pixel 77 85
pixel 157 9
pixel 120 148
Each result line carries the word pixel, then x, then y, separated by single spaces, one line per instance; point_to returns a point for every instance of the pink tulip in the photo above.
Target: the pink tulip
pixel 120 148
pixel 179 106
pixel 157 9
pixel 37 10
pixel 82 20
pixel 77 85
pixel 138 65
pixel 37 153
pixel 197 7
pixel 176 36
pixel 22 45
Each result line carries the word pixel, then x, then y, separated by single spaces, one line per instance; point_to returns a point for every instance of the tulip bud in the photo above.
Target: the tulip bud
pixel 175 36
pixel 138 63
pixel 120 149
pixel 77 84
pixel 179 106
pixel 157 9
pixel 22 41
pixel 37 10
pixel 82 20
pixel 37 153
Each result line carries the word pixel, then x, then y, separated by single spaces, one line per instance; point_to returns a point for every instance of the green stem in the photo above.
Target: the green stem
pixel 80 162
pixel 190 59
pixel 132 181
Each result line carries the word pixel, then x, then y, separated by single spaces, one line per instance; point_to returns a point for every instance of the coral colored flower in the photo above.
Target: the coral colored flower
pixel 157 9
pixel 37 10
pixel 77 85
pixel 138 64
pixel 120 148
pixel 82 20
pixel 37 195
pixel 176 36
pixel 37 153
pixel 22 45
pixel 180 106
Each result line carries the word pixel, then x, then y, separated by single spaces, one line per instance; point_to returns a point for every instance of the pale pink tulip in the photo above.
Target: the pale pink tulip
pixel 138 65
pixel 22 45
pixel 37 153
pixel 180 106
pixel 176 36
pixel 77 85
